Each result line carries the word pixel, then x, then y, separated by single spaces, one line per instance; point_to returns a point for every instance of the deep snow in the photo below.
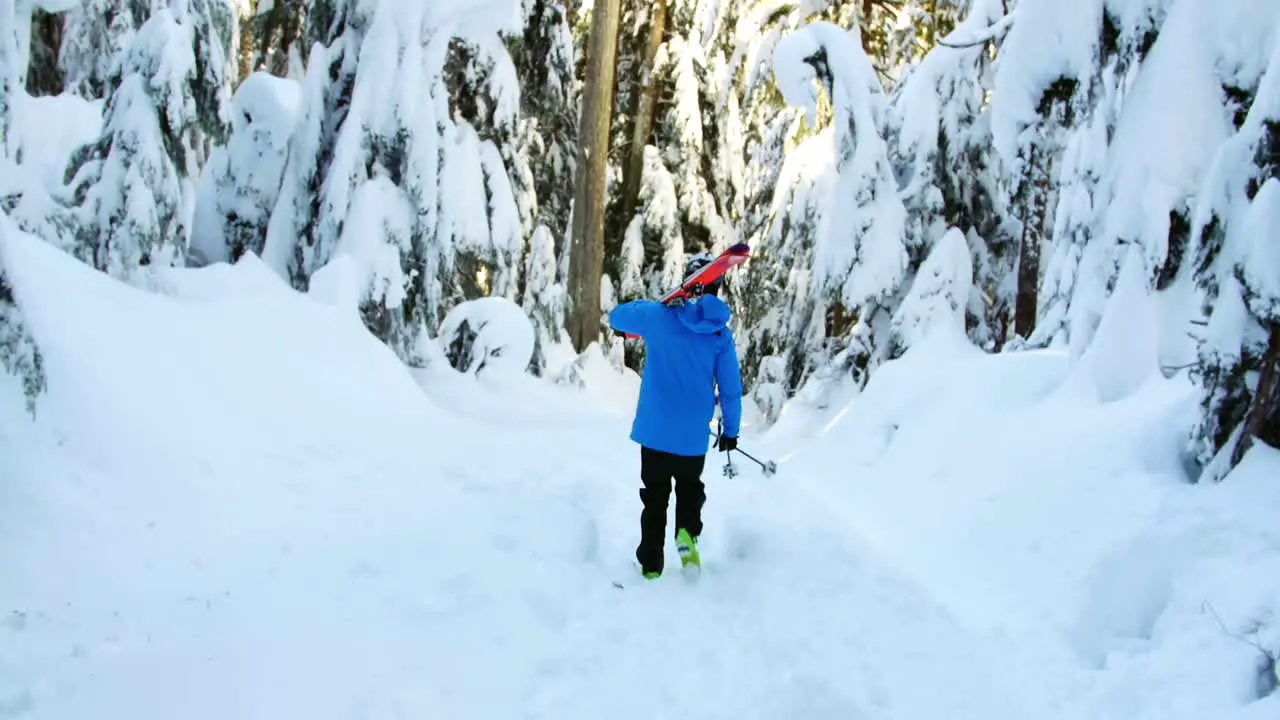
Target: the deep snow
pixel 234 502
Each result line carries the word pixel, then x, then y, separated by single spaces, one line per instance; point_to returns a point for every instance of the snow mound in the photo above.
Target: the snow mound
pixel 936 301
pixel 122 358
pixel 1125 349
pixel 240 183
pixel 254 512
pixel 247 278
pixel 48 129
pixel 487 335
pixel 1057 514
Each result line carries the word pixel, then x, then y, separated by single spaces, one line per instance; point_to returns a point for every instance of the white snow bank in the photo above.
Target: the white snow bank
pixel 1059 519
pixel 47 130
pixel 1125 349
pixel 1180 616
pixel 129 361
pixel 237 503
pixel 937 298
pixel 490 335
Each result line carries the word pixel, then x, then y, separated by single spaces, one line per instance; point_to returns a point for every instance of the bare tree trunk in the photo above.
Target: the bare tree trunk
pixel 643 105
pixel 586 257
pixel 1264 397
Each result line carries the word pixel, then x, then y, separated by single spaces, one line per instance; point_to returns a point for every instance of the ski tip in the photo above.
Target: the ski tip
pixel 739 249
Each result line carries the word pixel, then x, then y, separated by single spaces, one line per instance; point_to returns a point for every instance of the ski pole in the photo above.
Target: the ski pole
pixel 729 469
pixel 769 467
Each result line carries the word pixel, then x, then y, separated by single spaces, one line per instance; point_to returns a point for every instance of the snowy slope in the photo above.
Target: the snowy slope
pixel 1060 525
pixel 235 503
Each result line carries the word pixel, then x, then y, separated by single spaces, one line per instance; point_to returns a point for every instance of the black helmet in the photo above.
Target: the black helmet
pixel 695 263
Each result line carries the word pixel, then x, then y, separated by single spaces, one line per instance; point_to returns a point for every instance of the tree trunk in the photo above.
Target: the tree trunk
pixel 1265 402
pixel 1024 309
pixel 44 77
pixel 586 256
pixel 290 29
pixel 643 105
pixel 246 54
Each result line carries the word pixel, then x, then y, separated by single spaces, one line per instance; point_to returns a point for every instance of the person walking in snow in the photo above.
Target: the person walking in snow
pixel 689 352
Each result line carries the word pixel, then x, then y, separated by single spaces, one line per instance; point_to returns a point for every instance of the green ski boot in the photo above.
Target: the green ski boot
pixel 652 575
pixel 687 546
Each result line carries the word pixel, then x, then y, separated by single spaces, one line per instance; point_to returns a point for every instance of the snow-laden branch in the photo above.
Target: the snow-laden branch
pixel 983 36
pixel 860 254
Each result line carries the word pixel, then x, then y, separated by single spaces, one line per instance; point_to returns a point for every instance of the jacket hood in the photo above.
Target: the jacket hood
pixel 708 314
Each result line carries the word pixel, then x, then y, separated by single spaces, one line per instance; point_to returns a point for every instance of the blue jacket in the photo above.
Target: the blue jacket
pixel 688 352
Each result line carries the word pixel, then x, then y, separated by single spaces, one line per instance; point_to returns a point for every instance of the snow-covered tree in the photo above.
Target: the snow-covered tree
pixel 860 259
pixel 272 36
pixel 241 182
pixel 785 179
pixel 658 262
pixel 786 327
pixel 297 242
pixel 939 295
pixel 900 33
pixel 1049 54
pixel 490 207
pixel 1128 31
pixel 8 73
pixel 1237 271
pixel 540 161
pixel 18 352
pixel 543 56
pixel 134 187
pixel 769 127
pixel 652 256
pixel 939 139
pixel 97 33
pixel 544 298
pixel 689 128
pixel 209 84
pixel 680 125
pixel 23 197
pixel 384 178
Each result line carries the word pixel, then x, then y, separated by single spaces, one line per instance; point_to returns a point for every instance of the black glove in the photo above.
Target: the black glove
pixel 726 443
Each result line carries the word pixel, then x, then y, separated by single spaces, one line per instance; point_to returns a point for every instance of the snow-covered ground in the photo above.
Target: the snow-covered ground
pixel 235 503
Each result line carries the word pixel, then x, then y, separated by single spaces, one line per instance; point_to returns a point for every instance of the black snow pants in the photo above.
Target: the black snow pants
pixel 657 471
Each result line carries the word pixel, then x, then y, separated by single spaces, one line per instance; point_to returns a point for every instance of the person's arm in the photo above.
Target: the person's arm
pixel 729 381
pixel 635 317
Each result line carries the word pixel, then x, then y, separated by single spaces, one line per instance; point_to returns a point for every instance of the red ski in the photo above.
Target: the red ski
pixel 691 287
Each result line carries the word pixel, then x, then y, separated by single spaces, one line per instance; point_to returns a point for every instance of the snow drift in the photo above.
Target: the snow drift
pixel 237 503
pixel 1048 503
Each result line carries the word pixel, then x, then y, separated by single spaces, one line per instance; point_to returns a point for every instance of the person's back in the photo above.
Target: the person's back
pixel 688 350
pixel 689 354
